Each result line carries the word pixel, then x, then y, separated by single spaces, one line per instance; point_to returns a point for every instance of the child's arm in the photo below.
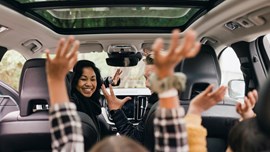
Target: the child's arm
pixel 65 124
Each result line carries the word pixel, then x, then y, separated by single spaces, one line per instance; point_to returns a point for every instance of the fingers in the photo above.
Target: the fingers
pixel 189 42
pixel 120 72
pixel 126 99
pixel 255 93
pixel 111 90
pixel 219 91
pixel 245 105
pixel 208 89
pixel 218 94
pixel 252 99
pixel 67 46
pixel 60 46
pixel 239 108
pixel 105 93
pixel 174 41
pixel 73 60
pixel 157 46
pixel 74 49
pixel 48 55
pixel 194 51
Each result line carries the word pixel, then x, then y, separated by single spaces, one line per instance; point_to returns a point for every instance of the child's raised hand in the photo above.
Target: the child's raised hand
pixel 65 59
pixel 246 109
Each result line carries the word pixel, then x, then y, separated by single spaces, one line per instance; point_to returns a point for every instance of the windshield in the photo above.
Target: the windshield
pixel 131 77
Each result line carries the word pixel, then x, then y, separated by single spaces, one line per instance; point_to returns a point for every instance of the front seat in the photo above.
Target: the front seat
pixel 262 108
pixel 28 128
pixel 201 71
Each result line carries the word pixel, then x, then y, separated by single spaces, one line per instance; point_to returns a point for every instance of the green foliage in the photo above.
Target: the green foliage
pixel 117 17
pixel 10 68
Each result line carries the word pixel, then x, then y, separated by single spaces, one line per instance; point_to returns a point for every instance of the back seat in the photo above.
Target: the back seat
pixel 28 129
pixel 201 71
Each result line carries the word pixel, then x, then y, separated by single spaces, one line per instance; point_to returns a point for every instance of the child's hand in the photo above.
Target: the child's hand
pixel 165 63
pixel 246 109
pixel 206 100
pixel 65 59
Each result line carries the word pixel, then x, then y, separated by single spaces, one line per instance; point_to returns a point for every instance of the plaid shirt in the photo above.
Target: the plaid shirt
pixel 170 130
pixel 66 128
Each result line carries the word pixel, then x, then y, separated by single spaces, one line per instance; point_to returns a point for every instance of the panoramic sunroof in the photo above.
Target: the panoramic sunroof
pixel 95 16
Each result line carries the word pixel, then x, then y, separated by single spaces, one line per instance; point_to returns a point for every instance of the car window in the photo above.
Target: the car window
pixel 230 67
pixel 132 77
pixel 11 67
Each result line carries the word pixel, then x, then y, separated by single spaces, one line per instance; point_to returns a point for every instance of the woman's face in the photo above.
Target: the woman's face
pixel 87 83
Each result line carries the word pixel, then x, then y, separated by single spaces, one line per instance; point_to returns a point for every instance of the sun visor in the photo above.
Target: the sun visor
pixel 148 46
pixel 90 47
pixel 86 48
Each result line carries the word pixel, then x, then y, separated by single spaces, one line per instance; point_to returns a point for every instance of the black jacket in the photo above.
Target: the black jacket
pixel 125 127
pixel 88 106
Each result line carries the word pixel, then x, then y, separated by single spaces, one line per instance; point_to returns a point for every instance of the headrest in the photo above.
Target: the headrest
pixel 263 106
pixel 201 71
pixel 33 87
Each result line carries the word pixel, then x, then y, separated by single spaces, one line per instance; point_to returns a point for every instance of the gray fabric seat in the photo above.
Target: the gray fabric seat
pixel 201 71
pixel 28 129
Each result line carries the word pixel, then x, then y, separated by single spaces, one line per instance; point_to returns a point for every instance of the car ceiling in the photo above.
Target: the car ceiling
pixel 211 25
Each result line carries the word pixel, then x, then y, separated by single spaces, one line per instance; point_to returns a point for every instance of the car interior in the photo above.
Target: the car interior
pixel 118 40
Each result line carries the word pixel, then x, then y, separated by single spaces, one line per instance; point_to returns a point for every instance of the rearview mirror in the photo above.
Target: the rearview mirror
pixel 236 89
pixel 122 61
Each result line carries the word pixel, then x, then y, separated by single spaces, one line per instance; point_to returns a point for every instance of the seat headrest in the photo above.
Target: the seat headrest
pixel 262 108
pixel 33 87
pixel 201 71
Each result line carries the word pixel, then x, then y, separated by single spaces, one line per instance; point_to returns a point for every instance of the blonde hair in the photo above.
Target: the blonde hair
pixel 118 144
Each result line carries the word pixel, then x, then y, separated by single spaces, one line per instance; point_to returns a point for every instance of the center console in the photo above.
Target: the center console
pixel 134 109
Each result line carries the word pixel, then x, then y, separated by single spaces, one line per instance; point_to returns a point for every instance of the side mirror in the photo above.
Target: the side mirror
pixel 236 88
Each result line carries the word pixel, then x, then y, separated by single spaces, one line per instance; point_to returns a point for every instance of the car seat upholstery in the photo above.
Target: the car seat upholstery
pixel 201 71
pixel 7 105
pixel 28 129
pixel 262 108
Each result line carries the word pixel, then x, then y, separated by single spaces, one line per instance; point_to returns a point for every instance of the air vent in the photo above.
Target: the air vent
pixel 33 45
pixel 141 106
pixel 198 88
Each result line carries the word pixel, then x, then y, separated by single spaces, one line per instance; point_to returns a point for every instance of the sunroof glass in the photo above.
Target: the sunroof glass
pixel 82 16
pixel 118 16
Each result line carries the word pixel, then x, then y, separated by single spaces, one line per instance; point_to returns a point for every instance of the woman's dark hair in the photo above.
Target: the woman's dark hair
pixel 248 137
pixel 78 70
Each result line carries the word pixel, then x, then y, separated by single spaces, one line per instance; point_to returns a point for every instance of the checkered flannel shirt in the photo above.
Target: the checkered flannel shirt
pixel 170 130
pixel 66 128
